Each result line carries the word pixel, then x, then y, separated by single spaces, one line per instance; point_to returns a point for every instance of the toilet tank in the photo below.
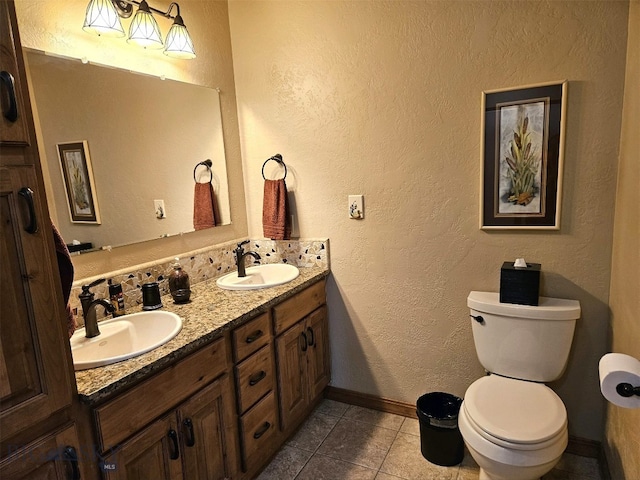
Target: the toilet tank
pixel 523 341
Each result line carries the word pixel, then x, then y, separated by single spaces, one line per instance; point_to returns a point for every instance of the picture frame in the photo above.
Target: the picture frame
pixel 522 150
pixel 77 176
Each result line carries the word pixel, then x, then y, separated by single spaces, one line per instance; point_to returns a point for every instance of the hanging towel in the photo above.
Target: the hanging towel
pixel 65 267
pixel 205 210
pixel 276 223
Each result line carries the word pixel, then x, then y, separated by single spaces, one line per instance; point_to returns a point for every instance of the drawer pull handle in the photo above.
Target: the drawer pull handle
pixel 312 337
pixel 257 377
pixel 69 455
pixel 190 440
pixel 254 336
pixel 175 452
pixel 11 113
pixel 27 194
pixel 305 343
pixel 262 430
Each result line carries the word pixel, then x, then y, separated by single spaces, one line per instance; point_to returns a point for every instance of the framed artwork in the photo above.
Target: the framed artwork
pixel 77 175
pixel 522 156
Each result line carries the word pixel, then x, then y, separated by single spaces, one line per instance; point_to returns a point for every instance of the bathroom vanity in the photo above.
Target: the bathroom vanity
pixel 221 398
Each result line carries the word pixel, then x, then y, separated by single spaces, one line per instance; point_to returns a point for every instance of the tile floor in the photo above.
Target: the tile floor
pixel 346 442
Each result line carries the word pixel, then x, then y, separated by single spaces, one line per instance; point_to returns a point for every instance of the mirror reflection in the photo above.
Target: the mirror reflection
pixel 142 137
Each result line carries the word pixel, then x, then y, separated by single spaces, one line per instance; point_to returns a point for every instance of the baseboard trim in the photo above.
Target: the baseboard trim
pixel 371 401
pixel 577 445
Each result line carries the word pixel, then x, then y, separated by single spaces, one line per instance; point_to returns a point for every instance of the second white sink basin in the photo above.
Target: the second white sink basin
pixel 260 276
pixel 124 337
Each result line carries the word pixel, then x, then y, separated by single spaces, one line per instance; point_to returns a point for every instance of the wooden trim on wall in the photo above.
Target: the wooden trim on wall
pixel 371 401
pixel 577 445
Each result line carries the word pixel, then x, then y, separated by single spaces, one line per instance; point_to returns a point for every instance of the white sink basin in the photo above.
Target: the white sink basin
pixel 124 337
pixel 260 276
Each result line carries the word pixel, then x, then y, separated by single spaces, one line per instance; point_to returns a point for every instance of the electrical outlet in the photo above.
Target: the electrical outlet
pixel 356 207
pixel 158 206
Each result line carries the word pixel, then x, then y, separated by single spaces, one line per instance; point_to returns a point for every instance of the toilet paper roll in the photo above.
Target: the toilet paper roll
pixel 616 368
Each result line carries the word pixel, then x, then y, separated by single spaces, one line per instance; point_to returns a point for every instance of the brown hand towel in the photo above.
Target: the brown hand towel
pixel 276 223
pixel 65 267
pixel 205 210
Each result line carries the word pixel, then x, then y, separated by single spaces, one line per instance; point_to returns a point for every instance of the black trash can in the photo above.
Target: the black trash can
pixel 440 439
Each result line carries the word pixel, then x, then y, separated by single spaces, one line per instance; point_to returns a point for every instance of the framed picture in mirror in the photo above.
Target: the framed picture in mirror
pixel 77 174
pixel 522 156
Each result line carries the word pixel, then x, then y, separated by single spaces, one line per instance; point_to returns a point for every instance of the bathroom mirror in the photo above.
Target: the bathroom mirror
pixel 142 136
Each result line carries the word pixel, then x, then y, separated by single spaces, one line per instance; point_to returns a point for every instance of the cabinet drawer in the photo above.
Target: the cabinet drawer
pixel 251 336
pixel 254 378
pixel 131 411
pixel 290 311
pixel 258 429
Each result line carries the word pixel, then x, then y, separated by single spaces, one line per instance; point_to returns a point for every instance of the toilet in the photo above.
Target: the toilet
pixel 514 426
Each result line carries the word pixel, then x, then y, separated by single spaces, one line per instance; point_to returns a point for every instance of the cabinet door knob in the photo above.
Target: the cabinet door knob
pixel 175 452
pixel 11 113
pixel 190 435
pixel 305 343
pixel 254 336
pixel 257 377
pixel 262 430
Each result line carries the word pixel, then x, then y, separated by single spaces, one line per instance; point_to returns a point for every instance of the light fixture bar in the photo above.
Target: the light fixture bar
pixel 144 30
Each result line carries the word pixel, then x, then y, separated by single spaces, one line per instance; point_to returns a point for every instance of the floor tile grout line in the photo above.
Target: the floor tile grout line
pixel 319 445
pixel 388 451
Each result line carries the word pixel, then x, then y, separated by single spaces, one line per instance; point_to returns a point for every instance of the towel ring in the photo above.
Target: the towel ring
pixel 207 163
pixel 276 158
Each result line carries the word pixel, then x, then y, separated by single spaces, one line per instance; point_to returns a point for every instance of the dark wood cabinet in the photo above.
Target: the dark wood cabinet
pixel 302 353
pixel 52 457
pixel 196 441
pixel 36 375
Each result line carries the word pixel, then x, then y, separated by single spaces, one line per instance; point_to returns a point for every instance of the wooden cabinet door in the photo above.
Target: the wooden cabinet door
pixel 291 365
pixel 154 453
pixel 35 371
pixel 54 457
pixel 14 119
pixel 208 434
pixel 318 362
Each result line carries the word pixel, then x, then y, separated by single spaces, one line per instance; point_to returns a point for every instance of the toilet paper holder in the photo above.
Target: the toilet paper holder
pixel 627 390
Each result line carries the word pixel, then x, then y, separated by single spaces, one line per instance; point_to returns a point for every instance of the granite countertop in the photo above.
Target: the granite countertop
pixel 210 312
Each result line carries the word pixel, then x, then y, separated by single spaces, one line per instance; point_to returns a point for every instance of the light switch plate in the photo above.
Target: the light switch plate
pixel 356 207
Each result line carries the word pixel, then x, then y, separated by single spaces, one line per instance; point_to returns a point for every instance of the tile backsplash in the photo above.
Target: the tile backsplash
pixel 201 265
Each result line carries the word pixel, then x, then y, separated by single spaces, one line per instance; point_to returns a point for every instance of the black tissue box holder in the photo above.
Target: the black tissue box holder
pixel 520 285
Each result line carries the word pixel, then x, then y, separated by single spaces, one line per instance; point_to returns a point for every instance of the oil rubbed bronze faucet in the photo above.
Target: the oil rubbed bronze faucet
pixel 241 255
pixel 89 305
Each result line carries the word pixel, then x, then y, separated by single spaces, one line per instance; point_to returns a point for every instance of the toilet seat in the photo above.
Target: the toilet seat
pixel 515 414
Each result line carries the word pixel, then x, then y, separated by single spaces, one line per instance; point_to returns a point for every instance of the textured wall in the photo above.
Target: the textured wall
pixel 622 433
pixel 383 99
pixel 56 26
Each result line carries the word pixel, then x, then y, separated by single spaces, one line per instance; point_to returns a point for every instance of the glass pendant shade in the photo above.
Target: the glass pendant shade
pixel 144 30
pixel 102 18
pixel 178 43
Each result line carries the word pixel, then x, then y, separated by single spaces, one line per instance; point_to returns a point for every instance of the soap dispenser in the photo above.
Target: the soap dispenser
pixel 117 299
pixel 179 284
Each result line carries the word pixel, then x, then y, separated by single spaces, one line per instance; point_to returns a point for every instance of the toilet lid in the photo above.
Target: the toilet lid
pixel 516 411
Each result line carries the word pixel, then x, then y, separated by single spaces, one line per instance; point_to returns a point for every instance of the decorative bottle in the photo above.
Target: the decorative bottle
pixel 117 299
pixel 179 285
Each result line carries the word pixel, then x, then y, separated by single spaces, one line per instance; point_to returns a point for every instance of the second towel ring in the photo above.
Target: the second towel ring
pixel 278 159
pixel 207 163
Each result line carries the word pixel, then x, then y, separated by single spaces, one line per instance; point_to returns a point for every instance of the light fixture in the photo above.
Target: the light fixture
pixel 144 30
pixel 103 18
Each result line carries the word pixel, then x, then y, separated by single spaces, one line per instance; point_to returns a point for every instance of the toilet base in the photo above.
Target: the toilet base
pixel 501 471
pixel 485 476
